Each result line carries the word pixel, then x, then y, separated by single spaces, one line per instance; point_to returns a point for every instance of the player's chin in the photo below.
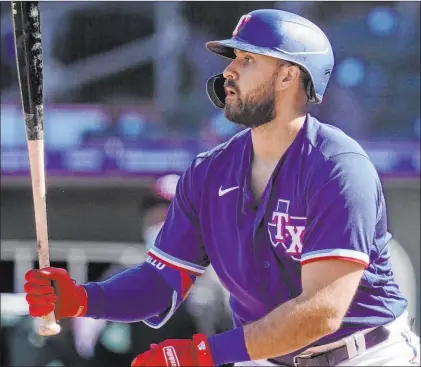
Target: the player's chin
pixel 233 115
pixel 230 112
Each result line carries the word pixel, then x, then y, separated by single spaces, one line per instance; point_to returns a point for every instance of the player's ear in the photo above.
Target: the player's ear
pixel 288 74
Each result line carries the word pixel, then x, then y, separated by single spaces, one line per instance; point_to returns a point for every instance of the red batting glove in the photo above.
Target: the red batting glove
pixel 67 299
pixel 176 352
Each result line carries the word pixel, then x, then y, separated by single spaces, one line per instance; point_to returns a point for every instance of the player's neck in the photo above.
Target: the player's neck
pixel 270 141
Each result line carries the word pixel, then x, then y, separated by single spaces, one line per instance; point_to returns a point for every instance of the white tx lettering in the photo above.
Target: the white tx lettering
pixel 287 230
pixel 280 225
pixel 296 246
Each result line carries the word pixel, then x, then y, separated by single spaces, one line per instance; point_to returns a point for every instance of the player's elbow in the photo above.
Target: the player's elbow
pixel 328 321
pixel 332 324
pixel 324 316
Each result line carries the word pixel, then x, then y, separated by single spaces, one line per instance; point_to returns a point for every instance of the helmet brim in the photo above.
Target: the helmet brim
pixel 226 48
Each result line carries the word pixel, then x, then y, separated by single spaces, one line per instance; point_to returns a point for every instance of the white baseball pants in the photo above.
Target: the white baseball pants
pixel 402 348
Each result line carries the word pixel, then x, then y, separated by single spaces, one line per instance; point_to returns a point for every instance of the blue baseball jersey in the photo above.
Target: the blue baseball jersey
pixel 324 200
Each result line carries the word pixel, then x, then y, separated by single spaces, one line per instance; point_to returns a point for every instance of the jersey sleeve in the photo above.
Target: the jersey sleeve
pixel 342 211
pixel 178 253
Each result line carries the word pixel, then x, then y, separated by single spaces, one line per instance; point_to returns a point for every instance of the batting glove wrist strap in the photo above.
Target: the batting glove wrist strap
pixel 177 352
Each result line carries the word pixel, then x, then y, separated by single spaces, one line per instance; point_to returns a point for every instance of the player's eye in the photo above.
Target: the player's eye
pixel 248 59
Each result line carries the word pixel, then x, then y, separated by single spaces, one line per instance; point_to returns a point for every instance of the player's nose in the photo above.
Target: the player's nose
pixel 230 72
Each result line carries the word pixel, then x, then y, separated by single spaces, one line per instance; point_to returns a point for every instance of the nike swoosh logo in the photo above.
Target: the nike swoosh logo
pixel 222 192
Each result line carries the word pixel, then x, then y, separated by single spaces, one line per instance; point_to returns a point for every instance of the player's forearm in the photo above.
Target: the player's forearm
pixel 291 326
pixel 132 295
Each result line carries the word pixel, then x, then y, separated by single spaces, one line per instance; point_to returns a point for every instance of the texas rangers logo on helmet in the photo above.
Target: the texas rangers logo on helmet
pixel 287 230
pixel 243 20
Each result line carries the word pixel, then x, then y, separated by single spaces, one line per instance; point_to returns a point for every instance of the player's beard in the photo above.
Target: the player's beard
pixel 255 109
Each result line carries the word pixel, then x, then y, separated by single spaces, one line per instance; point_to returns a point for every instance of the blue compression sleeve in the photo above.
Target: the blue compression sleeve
pixel 229 347
pixel 132 295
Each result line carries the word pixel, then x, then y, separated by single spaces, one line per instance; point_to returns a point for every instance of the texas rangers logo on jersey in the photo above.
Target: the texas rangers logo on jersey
pixel 287 230
pixel 243 20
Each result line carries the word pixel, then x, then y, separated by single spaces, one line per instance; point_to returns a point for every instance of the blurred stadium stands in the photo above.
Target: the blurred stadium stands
pixel 125 104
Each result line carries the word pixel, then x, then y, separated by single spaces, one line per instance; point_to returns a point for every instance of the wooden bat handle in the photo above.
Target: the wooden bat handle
pixel 48 325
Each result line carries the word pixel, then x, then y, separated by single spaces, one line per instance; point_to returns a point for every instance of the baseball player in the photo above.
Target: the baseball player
pixel 290 213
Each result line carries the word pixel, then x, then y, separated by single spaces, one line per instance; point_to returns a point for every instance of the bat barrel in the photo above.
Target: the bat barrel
pixel 27 32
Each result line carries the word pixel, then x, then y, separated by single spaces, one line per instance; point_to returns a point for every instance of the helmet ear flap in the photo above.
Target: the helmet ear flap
pixel 311 93
pixel 216 91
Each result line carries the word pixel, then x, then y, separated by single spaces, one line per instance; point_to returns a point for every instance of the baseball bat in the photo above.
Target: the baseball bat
pixel 28 47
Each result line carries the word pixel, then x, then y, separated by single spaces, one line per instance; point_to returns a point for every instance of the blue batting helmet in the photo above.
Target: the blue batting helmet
pixel 281 35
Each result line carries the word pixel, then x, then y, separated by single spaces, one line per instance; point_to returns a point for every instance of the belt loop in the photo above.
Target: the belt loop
pixel 355 344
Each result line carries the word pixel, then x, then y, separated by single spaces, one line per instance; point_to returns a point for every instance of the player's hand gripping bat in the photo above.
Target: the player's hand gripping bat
pixel 28 47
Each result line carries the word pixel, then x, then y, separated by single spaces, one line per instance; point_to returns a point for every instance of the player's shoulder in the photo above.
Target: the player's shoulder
pixel 228 147
pixel 330 150
pixel 330 141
